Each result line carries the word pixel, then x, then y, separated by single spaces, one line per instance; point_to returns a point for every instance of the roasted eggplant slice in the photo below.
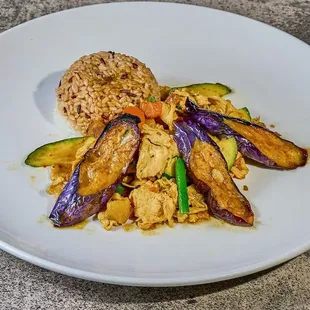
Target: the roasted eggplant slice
pixel 254 141
pixel 97 176
pixel 208 170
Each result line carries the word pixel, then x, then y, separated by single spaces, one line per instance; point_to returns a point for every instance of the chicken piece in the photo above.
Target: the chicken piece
pixel 157 148
pixel 196 200
pixel 194 216
pixel 155 202
pixel 150 122
pixel 164 92
pixel 183 93
pixel 135 183
pixel 198 209
pixel 178 99
pixel 239 170
pixel 213 103
pixel 59 175
pixel 220 105
pixel 117 213
pixel 202 101
pixel 168 114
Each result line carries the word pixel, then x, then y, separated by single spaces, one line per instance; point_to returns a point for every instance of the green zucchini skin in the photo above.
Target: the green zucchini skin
pixel 229 149
pixel 242 113
pixel 57 152
pixel 206 89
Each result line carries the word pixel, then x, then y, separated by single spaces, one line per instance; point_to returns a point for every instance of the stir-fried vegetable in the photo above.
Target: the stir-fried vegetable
pixel 242 113
pixel 167 176
pixel 120 189
pixel 204 144
pixel 151 99
pixel 98 175
pixel 229 149
pixel 254 141
pixel 137 112
pixel 180 174
pixel 208 170
pixel 205 89
pixel 151 109
pixel 63 151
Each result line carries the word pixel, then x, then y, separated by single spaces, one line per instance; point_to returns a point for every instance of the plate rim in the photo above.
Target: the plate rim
pixel 152 2
pixel 151 281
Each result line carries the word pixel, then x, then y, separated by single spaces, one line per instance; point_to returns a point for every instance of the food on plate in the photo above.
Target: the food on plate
pixel 242 113
pixel 151 109
pixel 180 176
pixel 229 149
pixel 254 141
pixel 101 170
pixel 154 203
pixel 209 172
pixel 156 150
pixel 151 154
pixel 58 152
pixel 205 89
pixel 137 112
pixel 99 86
pixel 198 209
pixel 117 212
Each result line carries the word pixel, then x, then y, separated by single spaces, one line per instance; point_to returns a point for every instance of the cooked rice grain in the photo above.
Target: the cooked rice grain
pixel 99 86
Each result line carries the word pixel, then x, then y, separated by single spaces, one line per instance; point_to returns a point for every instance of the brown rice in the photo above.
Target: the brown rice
pixel 99 86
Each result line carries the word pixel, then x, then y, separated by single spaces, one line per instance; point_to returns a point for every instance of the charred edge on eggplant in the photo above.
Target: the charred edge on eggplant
pixel 237 210
pixel 269 149
pixel 71 207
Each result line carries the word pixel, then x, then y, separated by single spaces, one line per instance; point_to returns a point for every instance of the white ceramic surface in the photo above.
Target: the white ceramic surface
pixel 269 71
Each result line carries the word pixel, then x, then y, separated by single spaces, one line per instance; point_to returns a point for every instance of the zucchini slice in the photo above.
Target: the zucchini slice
pixel 229 149
pixel 58 152
pixel 243 113
pixel 214 138
pixel 170 167
pixel 205 89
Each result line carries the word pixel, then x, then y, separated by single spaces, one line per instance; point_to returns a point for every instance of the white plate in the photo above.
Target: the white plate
pixel 269 71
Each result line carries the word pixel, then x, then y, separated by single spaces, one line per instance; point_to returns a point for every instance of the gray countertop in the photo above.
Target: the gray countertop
pixel 24 286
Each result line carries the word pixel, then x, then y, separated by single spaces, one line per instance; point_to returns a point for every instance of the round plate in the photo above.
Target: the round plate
pixel 269 72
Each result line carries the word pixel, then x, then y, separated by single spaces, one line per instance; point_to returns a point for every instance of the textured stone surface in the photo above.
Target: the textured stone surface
pixel 292 16
pixel 24 286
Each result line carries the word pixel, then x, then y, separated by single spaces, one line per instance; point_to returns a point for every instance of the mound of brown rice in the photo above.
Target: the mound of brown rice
pixel 99 86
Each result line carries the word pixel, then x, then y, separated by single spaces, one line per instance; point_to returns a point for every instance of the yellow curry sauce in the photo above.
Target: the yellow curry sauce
pixel 78 226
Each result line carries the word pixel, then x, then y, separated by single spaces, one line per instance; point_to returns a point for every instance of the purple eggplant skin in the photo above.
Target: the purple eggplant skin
pixel 214 123
pixel 71 207
pixel 186 132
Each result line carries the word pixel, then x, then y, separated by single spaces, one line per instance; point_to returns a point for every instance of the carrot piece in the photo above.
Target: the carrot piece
pixel 137 112
pixel 151 109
